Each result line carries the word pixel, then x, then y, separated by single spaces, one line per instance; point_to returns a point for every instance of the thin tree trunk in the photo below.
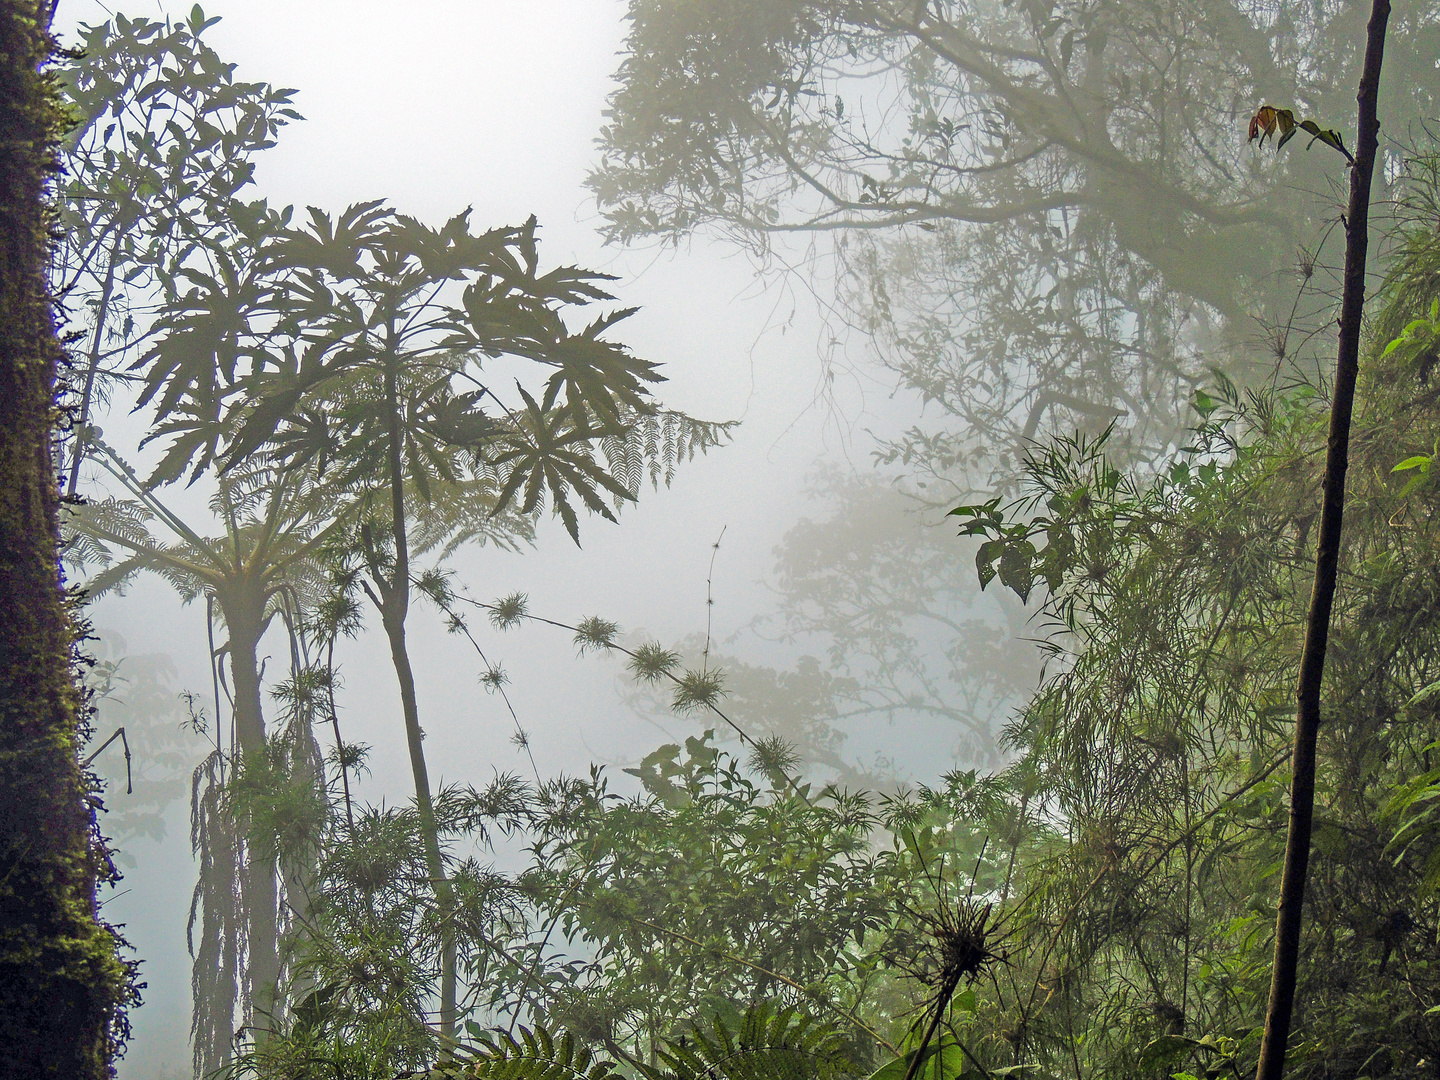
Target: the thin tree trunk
pixel 77 452
pixel 396 607
pixel 1327 557
pixel 62 986
pixel 335 723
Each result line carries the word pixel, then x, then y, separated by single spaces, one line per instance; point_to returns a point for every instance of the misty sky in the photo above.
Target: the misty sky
pixel 436 107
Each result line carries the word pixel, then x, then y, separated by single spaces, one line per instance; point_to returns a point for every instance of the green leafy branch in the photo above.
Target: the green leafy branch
pixel 1281 124
pixel 694 690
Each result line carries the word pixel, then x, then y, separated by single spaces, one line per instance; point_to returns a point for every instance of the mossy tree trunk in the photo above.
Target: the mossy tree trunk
pixel 62 985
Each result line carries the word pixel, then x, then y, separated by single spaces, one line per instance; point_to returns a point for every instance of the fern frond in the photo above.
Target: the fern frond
pixel 655 444
pixel 768 1044
pixel 536 1055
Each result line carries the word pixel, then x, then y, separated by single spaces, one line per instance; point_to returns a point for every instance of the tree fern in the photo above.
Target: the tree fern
pixel 536 1055
pixel 654 444
pixel 766 1044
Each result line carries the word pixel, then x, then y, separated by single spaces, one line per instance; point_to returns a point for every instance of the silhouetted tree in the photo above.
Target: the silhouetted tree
pixel 357 345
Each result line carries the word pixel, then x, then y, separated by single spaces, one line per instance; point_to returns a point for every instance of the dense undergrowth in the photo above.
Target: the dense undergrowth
pixel 1125 860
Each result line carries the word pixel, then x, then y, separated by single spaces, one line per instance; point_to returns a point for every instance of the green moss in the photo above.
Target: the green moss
pixel 63 986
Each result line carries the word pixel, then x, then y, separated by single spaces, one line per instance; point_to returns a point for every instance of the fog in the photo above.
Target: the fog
pixel 497 107
pixel 888 346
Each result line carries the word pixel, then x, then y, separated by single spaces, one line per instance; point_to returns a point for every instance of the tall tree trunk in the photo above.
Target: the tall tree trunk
pixel 62 986
pixel 245 618
pixel 1327 556
pixel 393 613
pixel 434 863
pixel 238 892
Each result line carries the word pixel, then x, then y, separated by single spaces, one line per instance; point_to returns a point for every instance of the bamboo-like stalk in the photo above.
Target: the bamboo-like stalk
pixel 1281 1007
pixel 394 605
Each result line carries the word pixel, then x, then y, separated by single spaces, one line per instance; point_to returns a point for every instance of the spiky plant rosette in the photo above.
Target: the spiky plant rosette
pixel 957 944
pixel 953 942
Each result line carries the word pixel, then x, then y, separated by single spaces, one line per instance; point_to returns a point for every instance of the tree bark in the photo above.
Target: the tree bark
pixel 245 618
pixel 62 986
pixel 1327 556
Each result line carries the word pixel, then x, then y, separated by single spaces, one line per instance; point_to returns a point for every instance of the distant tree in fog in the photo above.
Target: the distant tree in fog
pixel 1041 213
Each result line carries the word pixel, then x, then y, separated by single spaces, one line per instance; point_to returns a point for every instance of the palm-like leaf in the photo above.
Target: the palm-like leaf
pixel 543 449
pixel 309 347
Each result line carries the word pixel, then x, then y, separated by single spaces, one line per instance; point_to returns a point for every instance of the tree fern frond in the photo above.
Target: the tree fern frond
pixel 536 1055
pixel 91 528
pixel 767 1044
pixel 115 576
pixel 459 512
pixel 655 444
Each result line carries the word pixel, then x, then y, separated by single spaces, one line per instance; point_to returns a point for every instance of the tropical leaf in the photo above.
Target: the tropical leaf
pixel 536 1055
pixel 1281 124
pixel 655 443
pixel 767 1044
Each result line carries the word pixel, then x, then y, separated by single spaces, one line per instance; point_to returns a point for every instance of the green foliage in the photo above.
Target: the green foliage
pixel 497 1055
pixel 1117 871
pixel 1176 608
pixel 1281 124
pixel 711 893
pixel 163 141
pixel 1414 809
pixel 941 1060
pixel 331 372
pixel 1093 503
pixel 764 1044
pixel 319 339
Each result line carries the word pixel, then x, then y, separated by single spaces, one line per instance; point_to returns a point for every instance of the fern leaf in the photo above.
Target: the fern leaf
pixel 536 1055
pixel 769 1044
